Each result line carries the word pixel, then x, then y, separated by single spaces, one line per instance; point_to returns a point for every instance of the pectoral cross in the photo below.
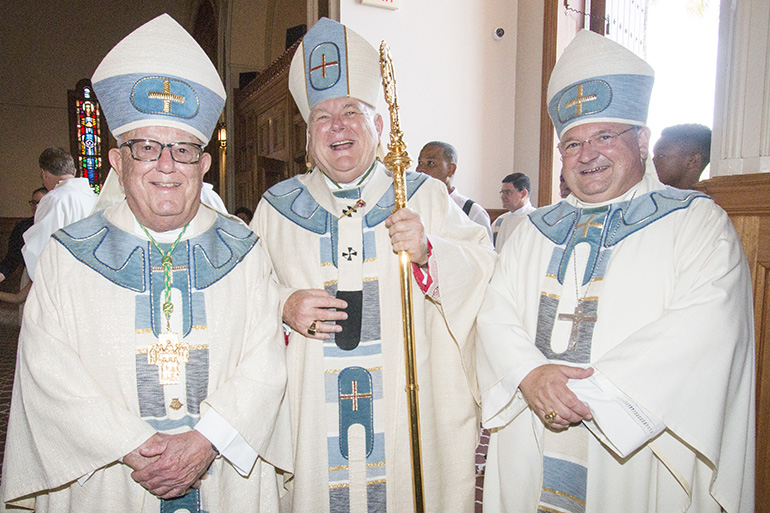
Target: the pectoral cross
pixel 348 211
pixel 168 354
pixel 577 318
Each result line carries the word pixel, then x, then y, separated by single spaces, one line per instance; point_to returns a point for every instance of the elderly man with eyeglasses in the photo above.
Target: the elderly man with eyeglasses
pixel 151 370
pixel 616 350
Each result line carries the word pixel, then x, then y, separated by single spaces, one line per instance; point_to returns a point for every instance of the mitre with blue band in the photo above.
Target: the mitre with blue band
pixel 158 75
pixel 598 80
pixel 333 62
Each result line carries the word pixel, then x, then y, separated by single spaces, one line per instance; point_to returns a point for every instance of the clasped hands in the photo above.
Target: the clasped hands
pixel 169 466
pixel 306 310
pixel 545 390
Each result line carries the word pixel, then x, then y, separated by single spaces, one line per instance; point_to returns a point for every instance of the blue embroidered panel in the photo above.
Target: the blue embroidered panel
pixel 117 255
pixel 556 222
pixel 326 61
pixel 292 199
pixel 123 258
pixel 219 249
pixel 626 218
pixel 356 406
pixel 589 230
pixel 385 205
pixel 370 245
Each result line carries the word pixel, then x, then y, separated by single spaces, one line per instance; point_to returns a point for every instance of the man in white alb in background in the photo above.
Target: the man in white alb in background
pixel 514 194
pixel 70 198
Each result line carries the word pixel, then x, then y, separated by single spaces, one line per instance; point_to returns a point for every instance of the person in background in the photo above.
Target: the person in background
pixel 70 198
pixel 439 160
pixel 681 154
pixel 13 258
pixel 245 214
pixel 515 195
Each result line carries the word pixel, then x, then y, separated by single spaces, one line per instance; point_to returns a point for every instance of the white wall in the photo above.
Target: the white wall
pixel 529 58
pixel 455 82
pixel 741 137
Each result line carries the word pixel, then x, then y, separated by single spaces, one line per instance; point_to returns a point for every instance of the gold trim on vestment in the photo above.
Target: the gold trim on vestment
pixel 368 465
pixel 562 494
pixel 196 347
pixel 347 485
pixel 159 269
pixel 337 371
pixel 552 296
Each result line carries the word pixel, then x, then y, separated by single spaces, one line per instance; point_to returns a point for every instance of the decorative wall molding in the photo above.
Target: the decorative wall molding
pixel 741 136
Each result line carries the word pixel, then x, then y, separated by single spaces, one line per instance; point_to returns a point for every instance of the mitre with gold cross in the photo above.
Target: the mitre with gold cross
pixel 598 80
pixel 158 75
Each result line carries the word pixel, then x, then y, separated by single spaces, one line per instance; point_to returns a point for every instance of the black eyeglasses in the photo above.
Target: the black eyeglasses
pixel 598 142
pixel 148 150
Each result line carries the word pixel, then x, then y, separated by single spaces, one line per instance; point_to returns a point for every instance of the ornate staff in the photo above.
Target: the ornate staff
pixel 397 161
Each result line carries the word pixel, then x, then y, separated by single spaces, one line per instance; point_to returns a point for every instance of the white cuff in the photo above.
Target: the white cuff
pixel 618 422
pixel 230 444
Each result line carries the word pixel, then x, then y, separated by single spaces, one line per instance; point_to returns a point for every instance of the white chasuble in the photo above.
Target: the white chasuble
pixel 360 460
pixel 669 335
pixel 89 389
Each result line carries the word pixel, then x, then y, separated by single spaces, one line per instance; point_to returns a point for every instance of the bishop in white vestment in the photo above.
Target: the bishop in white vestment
pixel 616 350
pixel 332 237
pixel 151 372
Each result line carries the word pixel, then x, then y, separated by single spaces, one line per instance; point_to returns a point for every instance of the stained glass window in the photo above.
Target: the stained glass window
pixel 86 128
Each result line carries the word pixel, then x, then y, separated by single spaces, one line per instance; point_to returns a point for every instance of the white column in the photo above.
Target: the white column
pixel 741 136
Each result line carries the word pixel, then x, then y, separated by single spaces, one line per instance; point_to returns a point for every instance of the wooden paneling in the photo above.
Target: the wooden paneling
pixel 746 199
pixel 269 135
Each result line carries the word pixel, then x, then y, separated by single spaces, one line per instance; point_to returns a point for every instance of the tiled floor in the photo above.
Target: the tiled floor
pixel 9 334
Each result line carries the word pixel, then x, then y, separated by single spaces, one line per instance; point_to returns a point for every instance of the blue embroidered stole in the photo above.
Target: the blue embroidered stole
pixel 353 373
pixel 133 263
pixel 569 307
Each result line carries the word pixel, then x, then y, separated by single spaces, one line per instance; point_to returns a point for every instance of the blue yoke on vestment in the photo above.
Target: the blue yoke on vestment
pixel 353 379
pixel 602 227
pixel 134 263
